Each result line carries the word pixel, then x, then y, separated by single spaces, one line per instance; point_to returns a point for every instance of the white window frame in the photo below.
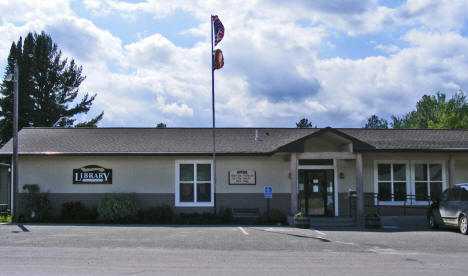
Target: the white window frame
pixel 376 181
pixel 413 178
pixel 178 203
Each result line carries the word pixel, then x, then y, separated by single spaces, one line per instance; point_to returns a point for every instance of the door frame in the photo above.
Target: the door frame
pixel 335 178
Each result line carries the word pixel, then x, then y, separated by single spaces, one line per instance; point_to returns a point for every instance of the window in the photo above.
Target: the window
pixel 464 193
pixel 454 194
pixel 392 181
pixel 451 194
pixel 410 182
pixel 428 181
pixel 194 185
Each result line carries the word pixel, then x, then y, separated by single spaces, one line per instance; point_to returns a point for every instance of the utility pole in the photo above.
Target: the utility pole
pixel 15 143
pixel 14 158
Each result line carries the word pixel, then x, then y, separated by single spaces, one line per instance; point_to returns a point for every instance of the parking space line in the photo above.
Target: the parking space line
pixel 243 231
pixel 347 243
pixel 318 232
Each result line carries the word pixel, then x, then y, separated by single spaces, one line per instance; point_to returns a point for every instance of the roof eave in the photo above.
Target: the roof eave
pixel 137 153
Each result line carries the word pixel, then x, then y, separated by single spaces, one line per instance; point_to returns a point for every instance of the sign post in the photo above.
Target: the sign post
pixel 268 193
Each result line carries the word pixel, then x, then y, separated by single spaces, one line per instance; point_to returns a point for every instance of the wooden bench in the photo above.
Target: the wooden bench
pixel 245 213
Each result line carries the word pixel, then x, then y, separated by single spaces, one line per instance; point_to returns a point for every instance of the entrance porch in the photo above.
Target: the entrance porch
pixel 315 180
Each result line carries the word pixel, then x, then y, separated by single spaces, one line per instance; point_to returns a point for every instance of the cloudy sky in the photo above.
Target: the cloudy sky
pixel 335 62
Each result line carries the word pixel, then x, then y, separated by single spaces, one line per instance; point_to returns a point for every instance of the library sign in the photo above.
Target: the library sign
pixel 92 174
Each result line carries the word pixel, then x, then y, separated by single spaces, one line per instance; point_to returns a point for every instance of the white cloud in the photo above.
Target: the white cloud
pixel 389 49
pixel 82 39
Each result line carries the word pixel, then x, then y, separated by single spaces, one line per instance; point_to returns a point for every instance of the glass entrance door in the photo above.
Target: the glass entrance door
pixel 316 192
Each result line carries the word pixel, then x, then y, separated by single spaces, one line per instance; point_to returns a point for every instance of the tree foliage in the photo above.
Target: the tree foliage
pixel 433 112
pixel 161 125
pixel 304 123
pixel 48 87
pixel 436 112
pixel 375 122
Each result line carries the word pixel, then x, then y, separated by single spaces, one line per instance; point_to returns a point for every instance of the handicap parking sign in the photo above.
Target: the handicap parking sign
pixel 268 192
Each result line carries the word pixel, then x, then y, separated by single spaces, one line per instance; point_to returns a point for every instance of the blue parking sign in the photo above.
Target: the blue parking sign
pixel 268 192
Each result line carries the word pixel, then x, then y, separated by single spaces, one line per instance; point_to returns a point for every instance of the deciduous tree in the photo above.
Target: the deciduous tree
pixel 304 123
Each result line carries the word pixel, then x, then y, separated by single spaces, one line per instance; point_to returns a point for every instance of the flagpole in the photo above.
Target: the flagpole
pixel 213 117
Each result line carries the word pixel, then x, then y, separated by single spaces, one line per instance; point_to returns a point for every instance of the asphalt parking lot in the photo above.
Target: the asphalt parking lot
pixel 226 250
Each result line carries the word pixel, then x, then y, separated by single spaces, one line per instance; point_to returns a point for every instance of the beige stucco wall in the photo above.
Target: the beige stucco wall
pixel 461 171
pixel 130 174
pixel 348 168
pixel 271 171
pixel 147 174
pixel 318 144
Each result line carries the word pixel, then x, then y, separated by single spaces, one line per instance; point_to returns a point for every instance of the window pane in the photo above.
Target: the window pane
pixel 444 196
pixel 464 194
pixel 420 173
pixel 186 172
pixel 421 191
pixel 384 172
pixel 400 191
pixel 399 172
pixel 186 192
pixel 204 192
pixel 385 191
pixel 454 194
pixel 435 172
pixel 203 172
pixel 436 190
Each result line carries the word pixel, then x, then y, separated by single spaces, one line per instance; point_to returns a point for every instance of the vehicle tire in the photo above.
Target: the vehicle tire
pixel 463 225
pixel 431 220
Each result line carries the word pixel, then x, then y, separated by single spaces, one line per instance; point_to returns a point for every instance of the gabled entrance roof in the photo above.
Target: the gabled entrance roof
pixel 298 145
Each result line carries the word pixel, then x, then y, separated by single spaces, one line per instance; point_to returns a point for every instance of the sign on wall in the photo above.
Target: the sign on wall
pixel 92 174
pixel 242 177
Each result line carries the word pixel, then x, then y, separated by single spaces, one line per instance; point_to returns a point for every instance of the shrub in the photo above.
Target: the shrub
pixel 158 214
pixel 118 208
pixel 273 216
pixel 75 211
pixel 36 204
pixel 196 218
pixel 6 218
pixel 225 214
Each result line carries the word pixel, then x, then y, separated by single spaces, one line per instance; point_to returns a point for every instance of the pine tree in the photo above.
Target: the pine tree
pixel 48 86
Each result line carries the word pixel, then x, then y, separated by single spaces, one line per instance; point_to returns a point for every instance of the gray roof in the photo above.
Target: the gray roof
pixel 412 139
pixel 193 141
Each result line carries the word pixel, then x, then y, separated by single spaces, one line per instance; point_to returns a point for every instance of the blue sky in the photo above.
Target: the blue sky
pixel 333 62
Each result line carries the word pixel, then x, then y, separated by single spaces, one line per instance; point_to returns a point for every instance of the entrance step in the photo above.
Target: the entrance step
pixel 332 222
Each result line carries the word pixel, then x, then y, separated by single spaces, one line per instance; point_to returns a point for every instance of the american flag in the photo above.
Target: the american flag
pixel 218 29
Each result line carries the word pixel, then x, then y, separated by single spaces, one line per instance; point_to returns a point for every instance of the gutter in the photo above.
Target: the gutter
pixel 137 154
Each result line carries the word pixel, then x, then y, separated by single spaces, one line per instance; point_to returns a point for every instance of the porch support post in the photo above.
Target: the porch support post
pixel 293 172
pixel 451 171
pixel 359 191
